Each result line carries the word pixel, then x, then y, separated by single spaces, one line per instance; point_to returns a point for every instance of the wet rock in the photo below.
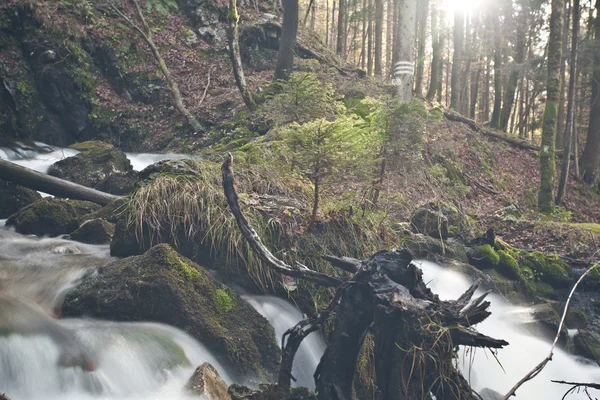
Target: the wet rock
pixel 207 382
pixel 421 246
pixel 163 286
pixel 587 344
pixel 94 231
pixel 489 394
pixel 267 392
pixel 51 216
pixel 111 212
pixel 119 183
pixel 548 268
pixel 91 167
pixel 14 197
pixel 216 35
pixel 67 248
pixel 430 222
pixel 545 323
pixel 90 145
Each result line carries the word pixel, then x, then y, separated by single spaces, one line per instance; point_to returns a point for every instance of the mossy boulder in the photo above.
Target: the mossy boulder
pixel 545 323
pixel 547 268
pixel 484 257
pixel 508 266
pixel 163 286
pixel 119 183
pixel 90 145
pixel 587 344
pixel 51 216
pixel 427 247
pixel 94 231
pixel 91 167
pixel 14 197
pixel 430 221
pixel 575 318
pixel 112 212
pixel 267 392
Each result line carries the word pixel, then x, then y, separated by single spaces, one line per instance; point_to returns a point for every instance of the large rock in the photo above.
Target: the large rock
pixel 51 216
pixel 14 197
pixel 430 222
pixel 267 392
pixel 119 183
pixel 587 344
pixel 207 383
pixel 165 287
pixel 91 167
pixel 94 231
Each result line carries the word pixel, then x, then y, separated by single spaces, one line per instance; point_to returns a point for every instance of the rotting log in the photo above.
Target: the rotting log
pixel 416 334
pixel 49 184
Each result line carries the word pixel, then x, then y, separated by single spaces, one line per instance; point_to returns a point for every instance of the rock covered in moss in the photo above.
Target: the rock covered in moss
pixel 508 266
pixel 547 268
pixel 14 197
pixel 51 216
pixel 587 344
pixel 421 246
pixel 90 145
pixel 91 167
pixel 94 231
pixel 165 287
pixel 484 256
pixel 207 383
pixel 111 212
pixel 267 392
pixel 430 222
pixel 119 183
pixel 575 318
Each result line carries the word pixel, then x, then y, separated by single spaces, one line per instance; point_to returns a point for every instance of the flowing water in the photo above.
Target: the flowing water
pixel 42 357
pixel 516 360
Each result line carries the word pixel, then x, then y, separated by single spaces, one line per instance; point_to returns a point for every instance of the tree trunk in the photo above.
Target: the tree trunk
pixel 333 26
pixel 327 23
pixel 495 122
pixel 315 209
pixel 513 79
pixel 287 43
pixel 389 30
pixel 340 47
pixel 560 121
pixel 564 175
pixel 147 36
pixel 49 184
pixel 457 59
pixel 370 39
pixel 436 57
pixel 235 57
pixel 591 153
pixel 423 12
pixel 547 163
pixel 363 51
pixel 404 69
pixel 378 37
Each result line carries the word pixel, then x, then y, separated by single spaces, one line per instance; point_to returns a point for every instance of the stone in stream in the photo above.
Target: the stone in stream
pixel 267 392
pixel 489 394
pixel 89 168
pixel 14 197
pixel 207 382
pixel 587 344
pixel 94 231
pixel 163 286
pixel 50 216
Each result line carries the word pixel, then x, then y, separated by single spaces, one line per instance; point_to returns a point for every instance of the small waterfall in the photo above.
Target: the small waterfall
pixel 283 315
pixel 525 351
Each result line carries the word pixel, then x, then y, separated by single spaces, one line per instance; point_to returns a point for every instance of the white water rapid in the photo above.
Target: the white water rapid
pixel 516 360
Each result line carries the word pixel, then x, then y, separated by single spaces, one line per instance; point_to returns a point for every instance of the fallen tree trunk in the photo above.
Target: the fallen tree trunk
pixel 415 333
pixel 49 184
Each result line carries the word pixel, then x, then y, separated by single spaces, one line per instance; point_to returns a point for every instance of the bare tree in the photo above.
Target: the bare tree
pixel 146 34
pixel 236 58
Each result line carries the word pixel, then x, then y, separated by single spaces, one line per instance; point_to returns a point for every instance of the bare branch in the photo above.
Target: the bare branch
pixel 538 368
pixel 207 86
pixel 348 264
pixel 255 242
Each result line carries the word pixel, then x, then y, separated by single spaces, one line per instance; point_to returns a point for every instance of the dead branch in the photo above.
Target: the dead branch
pixel 538 368
pixel 346 263
pixel 207 85
pixel 296 271
pixel 147 36
pixel 577 386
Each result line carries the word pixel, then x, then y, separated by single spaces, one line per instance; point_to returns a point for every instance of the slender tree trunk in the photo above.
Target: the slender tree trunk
pixel 576 145
pixel 333 25
pixel 389 30
pixel 495 122
pixel 404 69
pixel 475 78
pixel 560 124
pixel 173 86
pixel 313 15
pixel 519 58
pixel 564 176
pixel 364 34
pixel 370 39
pixel 378 37
pixel 327 23
pixel 464 80
pixel 486 106
pixel 340 48
pixel 457 59
pixel 547 162
pixel 591 153
pixel 423 12
pixel 395 30
pixel 315 209
pixel 435 53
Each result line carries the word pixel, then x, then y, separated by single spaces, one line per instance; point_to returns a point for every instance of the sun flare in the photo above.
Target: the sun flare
pixel 462 5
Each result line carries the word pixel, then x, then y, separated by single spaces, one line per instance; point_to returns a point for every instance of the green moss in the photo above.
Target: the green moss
pixel 500 244
pixel 485 257
pixel 576 318
pixel 547 268
pixel 91 145
pixel 508 266
pixel 224 302
pixel 595 228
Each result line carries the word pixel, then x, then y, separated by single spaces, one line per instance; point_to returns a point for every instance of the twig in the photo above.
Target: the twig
pixel 577 385
pixel 207 85
pixel 538 368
